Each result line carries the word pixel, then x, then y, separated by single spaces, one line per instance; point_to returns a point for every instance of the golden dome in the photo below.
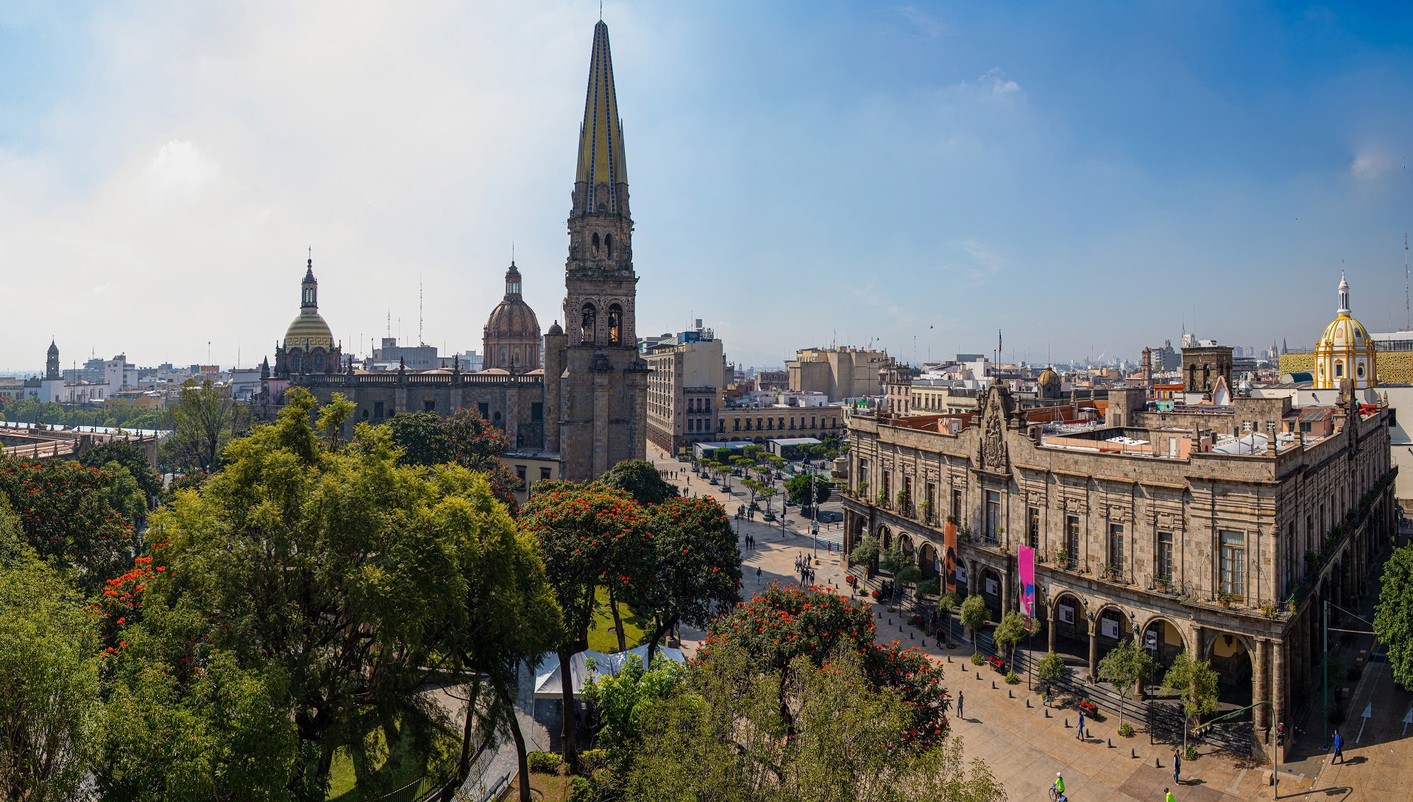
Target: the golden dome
pixel 1344 350
pixel 1047 376
pixel 309 331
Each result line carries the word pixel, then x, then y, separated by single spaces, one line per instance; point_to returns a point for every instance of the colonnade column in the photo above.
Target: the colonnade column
pixel 1278 709
pixel 1261 715
pixel 1093 650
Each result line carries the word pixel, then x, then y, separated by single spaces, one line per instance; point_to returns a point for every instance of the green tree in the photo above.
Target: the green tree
pixel 722 737
pixel 1014 626
pixel 48 676
pixel 865 551
pixel 421 437
pixel 297 601
pixel 589 537
pixel 893 560
pixel 781 624
pixel 130 457
pixel 641 480
pixel 1393 617
pixel 1125 667
pixel 1051 668
pixel 203 422
pixel 974 615
pixel 464 438
pixel 696 570
pixel 67 516
pixel 1196 684
pixel 798 490
pixel 125 494
pixel 621 701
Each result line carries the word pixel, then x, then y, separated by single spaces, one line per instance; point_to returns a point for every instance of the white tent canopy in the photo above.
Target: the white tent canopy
pixel 547 679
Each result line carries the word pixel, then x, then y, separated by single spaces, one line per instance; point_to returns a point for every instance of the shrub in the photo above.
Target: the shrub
pixel 977 659
pixel 1126 730
pixel 1012 678
pixel 543 762
pixel 592 760
pixel 928 587
pixel 581 790
pixel 1191 753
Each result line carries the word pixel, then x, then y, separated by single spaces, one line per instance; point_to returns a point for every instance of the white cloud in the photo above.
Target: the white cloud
pixel 921 21
pixel 178 172
pixel 995 79
pixel 1368 166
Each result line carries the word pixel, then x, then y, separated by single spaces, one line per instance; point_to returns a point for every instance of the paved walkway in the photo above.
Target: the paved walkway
pixel 1006 726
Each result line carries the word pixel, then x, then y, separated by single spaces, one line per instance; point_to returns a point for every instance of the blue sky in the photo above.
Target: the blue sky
pixel 1087 177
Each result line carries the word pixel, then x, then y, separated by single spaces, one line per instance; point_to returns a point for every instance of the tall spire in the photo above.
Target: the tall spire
pixel 309 287
pixel 602 167
pixel 1343 295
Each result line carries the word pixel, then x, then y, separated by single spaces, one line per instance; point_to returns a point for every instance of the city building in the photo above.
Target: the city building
pixel 685 389
pixel 583 408
pixel 1203 365
pixel 412 357
pixel 1344 349
pixel 839 373
pixel 512 334
pixel 772 380
pixel 1219 531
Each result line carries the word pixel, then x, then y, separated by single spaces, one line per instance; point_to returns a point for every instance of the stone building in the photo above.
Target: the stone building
pixel 839 373
pixel 1210 530
pixel 583 409
pixel 685 389
pixel 1203 365
pixel 1345 350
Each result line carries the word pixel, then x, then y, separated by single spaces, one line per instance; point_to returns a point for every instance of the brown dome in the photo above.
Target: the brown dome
pixel 512 335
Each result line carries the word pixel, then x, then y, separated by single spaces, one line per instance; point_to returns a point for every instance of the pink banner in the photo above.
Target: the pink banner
pixel 1025 564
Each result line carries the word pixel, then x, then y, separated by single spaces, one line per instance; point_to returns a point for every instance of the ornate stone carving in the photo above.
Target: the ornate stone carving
pixel 994 415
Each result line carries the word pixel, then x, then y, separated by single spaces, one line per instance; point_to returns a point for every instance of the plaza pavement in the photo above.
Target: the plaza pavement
pixel 1006 726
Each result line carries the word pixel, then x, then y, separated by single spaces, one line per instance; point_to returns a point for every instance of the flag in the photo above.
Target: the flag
pixel 998 344
pixel 1025 566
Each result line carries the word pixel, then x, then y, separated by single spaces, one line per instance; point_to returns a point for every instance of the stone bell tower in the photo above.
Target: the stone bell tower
pixel 603 390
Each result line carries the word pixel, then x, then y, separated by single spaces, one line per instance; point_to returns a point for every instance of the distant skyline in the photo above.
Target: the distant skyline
pixel 1087 178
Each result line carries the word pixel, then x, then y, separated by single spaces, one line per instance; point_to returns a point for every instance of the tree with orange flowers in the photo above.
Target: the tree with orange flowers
pixel 590 537
pixel 697 568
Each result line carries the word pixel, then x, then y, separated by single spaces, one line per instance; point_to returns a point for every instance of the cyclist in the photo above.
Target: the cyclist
pixel 1057 790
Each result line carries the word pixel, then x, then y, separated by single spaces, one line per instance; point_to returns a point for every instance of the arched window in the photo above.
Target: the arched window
pixel 588 329
pixel 1339 369
pixel 294 361
pixel 608 244
pixel 596 243
pixel 318 360
pixel 504 360
pixel 615 324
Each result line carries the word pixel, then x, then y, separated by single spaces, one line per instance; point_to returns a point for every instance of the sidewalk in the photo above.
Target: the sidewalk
pixel 1006 726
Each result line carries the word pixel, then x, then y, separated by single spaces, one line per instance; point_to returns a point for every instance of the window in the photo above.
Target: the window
pixel 615 324
pixel 908 491
pixel 993 515
pixel 1032 527
pixel 520 474
pixel 1071 540
pixel 1163 569
pixel 956 505
pixel 537 411
pixel 429 405
pixel 377 410
pixel 931 501
pixel 1289 554
pixel 884 488
pixel 484 408
pixel 544 473
pixel 1339 369
pixel 1232 578
pixel 1116 547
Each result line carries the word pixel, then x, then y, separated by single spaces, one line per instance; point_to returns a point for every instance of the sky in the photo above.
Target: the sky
pixel 1087 178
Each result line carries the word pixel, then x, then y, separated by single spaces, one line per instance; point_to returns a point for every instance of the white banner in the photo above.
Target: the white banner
pixel 1066 613
pixel 961 574
pixel 991 586
pixel 1109 628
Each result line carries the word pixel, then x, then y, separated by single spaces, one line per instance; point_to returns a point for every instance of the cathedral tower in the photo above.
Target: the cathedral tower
pixel 604 386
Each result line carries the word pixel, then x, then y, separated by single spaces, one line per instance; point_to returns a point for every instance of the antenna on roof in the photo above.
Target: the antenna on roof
pixel 1405 279
pixel 419 309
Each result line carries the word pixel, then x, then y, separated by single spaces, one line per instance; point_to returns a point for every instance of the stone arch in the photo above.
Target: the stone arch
pixel 885 538
pixel 927 560
pixel 1231 657
pixel 1163 639
pixel 1112 625
pixel 905 545
pixel 1069 627
pixel 990 586
pixel 589 315
pixel 615 324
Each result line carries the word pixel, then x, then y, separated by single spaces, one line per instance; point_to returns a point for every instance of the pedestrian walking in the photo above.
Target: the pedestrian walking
pixel 757 572
pixel 1177 767
pixel 1079 732
pixel 1338 748
pixel 961 700
pixel 1168 796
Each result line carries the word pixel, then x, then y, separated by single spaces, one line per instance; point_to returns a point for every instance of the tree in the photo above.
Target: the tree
pixel 641 480
pixel 621 701
pixel 48 675
pixel 1393 617
pixel 909 576
pixel 1051 668
pixel 865 551
pixel 129 456
pixel 1125 667
pixel 798 490
pixel 1009 632
pixel 203 422
pixel 125 494
pixel 298 600
pixel 781 624
pixel 1196 683
pixel 724 734
pixel 421 437
pixel 67 517
pixel 463 438
pixel 696 571
pixel 589 537
pixel 974 615
pixel 894 560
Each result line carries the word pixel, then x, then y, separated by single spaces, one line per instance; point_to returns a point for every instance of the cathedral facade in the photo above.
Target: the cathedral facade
pixel 585 405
